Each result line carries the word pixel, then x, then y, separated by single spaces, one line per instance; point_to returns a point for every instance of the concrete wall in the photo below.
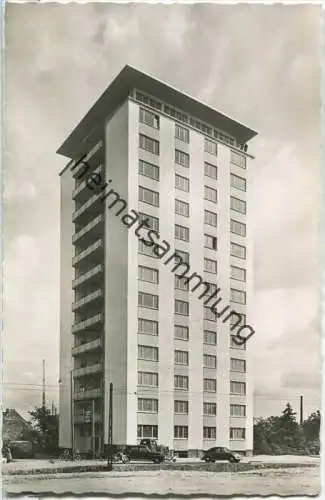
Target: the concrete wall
pixel 116 280
pixel 66 315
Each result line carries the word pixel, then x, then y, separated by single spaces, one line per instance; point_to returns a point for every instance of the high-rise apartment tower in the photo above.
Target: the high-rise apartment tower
pixel 150 152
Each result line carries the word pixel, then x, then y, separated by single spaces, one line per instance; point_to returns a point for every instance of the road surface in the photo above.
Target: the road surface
pixel 296 481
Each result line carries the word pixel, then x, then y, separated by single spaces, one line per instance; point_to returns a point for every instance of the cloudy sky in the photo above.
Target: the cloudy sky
pixel 259 64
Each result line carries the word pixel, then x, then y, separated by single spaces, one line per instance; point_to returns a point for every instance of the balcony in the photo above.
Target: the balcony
pixel 81 193
pixel 91 231
pixel 87 419
pixel 87 347
pixel 87 370
pixel 88 299
pixel 89 158
pixel 91 277
pixel 88 394
pixel 94 250
pixel 89 322
pixel 86 212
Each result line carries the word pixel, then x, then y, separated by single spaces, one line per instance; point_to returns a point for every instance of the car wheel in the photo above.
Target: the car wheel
pixel 232 460
pixel 207 460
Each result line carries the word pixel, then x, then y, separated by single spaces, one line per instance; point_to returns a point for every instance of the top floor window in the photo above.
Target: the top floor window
pixel 149 118
pixel 210 147
pixel 238 159
pixel 181 133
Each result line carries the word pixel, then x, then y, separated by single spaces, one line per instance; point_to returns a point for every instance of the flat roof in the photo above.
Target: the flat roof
pixel 120 88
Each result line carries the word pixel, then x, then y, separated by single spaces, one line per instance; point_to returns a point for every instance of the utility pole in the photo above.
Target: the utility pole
pixel 110 429
pixel 72 415
pixel 301 410
pixel 93 428
pixel 43 391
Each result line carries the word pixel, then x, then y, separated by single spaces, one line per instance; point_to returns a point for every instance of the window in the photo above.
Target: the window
pixel 182 208
pixel 238 159
pixel 238 182
pixel 234 319
pixel 209 315
pixel 181 307
pixel 181 358
pixel 209 385
pixel 149 170
pixel 237 433
pixel 148 378
pixel 149 196
pixel 209 361
pixel 148 100
pixel 182 233
pixel 185 256
pixel 237 296
pixel 237 227
pixel 149 118
pixel 180 406
pixel 145 250
pixel 149 144
pixel 182 158
pixel 181 332
pixel 238 205
pixel 210 194
pixel 152 222
pixel 210 147
pixel 148 353
pixel 238 388
pixel 238 273
pixel 210 218
pixel 148 405
pixel 181 382
pixel 210 266
pixel 147 431
pixel 209 433
pixel 180 432
pixel 209 409
pixel 147 327
pixel 181 133
pixel 181 284
pixel 148 274
pixel 237 251
pixel 210 242
pixel 182 183
pixel 209 337
pixel 237 365
pixel 210 171
pixel 148 300
pixel 237 410
pixel 235 343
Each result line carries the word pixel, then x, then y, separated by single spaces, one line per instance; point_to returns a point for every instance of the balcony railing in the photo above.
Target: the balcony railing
pixel 86 276
pixel 83 325
pixel 88 251
pixel 87 394
pixel 83 184
pixel 85 419
pixel 87 299
pixel 87 346
pixel 97 220
pixel 91 201
pixel 87 370
pixel 87 158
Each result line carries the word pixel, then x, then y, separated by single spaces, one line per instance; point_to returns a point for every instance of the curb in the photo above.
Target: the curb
pixel 216 467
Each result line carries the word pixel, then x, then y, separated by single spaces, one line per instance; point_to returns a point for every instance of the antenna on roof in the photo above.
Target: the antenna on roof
pixel 43 392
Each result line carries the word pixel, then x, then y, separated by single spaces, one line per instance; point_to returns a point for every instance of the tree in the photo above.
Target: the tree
pixel 311 426
pixel 47 426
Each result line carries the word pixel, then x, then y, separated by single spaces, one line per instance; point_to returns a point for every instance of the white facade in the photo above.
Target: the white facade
pixel 119 335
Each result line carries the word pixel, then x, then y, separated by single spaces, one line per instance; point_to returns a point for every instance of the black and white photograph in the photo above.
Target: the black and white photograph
pixel 162 197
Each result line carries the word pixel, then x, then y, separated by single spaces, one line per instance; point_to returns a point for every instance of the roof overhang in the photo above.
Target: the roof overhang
pixel 120 88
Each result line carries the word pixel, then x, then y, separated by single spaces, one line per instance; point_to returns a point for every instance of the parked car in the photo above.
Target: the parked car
pixel 142 452
pixel 220 453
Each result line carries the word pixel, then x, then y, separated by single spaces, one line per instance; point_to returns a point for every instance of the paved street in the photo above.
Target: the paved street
pixel 296 481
